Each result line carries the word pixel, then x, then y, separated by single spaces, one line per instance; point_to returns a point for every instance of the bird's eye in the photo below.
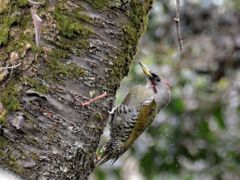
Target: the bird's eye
pixel 157 79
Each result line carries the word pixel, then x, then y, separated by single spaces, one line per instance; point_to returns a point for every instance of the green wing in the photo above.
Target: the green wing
pixel 145 116
pixel 127 125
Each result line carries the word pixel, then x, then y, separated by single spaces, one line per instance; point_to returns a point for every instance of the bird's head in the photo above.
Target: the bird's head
pixel 156 81
pixel 159 85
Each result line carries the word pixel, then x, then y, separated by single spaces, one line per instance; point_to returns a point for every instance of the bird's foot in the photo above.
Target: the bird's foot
pixel 113 110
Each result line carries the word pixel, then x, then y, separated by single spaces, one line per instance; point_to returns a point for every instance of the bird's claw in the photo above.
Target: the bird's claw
pixel 112 111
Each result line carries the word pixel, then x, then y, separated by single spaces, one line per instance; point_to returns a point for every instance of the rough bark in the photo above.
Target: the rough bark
pixel 86 48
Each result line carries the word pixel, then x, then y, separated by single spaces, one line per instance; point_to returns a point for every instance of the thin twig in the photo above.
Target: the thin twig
pixel 178 25
pixel 94 99
pixel 10 67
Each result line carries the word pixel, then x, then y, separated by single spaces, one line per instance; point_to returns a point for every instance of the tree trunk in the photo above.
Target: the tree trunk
pixel 46 131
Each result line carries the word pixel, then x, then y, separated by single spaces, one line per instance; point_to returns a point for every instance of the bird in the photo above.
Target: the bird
pixel 135 114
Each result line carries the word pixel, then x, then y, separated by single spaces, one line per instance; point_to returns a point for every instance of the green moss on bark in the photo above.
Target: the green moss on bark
pixel 73 34
pixel 133 30
pixel 3 117
pixel 10 97
pixel 5 28
pixel 3 142
pixel 36 84
pixel 103 4
pixel 138 15
pixel 57 70
pixel 13 163
pixel 3 145
pixel 4 35
pixel 62 71
pixel 98 116
pixel 22 3
pixel 100 4
pixel 81 16
pixel 70 29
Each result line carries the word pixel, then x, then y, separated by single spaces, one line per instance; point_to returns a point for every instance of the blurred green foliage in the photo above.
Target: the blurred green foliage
pixel 197 135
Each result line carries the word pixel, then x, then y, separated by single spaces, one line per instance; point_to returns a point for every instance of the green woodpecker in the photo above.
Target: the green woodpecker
pixel 134 115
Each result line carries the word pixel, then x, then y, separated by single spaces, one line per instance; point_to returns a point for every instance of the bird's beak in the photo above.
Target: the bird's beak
pixel 145 70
